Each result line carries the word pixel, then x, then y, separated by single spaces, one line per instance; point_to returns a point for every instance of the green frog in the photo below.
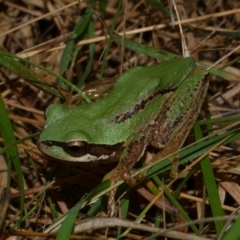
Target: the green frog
pixel 151 105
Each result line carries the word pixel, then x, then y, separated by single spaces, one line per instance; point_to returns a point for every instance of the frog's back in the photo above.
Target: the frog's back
pixel 112 119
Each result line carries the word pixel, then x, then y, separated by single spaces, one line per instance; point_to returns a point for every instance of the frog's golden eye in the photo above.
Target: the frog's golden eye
pixel 76 148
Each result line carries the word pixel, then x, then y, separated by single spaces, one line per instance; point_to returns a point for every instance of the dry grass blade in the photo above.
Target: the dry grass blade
pixel 40 31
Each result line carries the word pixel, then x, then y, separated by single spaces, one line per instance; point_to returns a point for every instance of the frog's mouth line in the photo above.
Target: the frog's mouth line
pixel 141 105
pixel 85 152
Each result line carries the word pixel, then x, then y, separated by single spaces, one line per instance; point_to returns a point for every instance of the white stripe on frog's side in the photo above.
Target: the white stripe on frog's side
pixel 93 158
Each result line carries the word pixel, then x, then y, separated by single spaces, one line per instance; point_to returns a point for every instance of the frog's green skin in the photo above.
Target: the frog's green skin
pixel 130 109
pixel 153 105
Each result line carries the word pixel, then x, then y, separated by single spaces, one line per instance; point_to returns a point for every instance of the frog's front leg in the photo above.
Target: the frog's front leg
pixel 133 149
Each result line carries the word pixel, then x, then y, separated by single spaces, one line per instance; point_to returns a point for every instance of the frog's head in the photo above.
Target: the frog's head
pixel 78 134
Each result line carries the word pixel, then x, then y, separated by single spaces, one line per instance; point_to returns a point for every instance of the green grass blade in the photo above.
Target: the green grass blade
pixel 111 33
pixel 159 6
pixel 68 224
pixel 164 55
pixel 78 33
pixel 174 201
pixel 91 34
pixel 7 132
pixel 211 185
pixel 15 65
pixel 233 233
pixel 193 151
pixel 102 7
pixel 29 213
pixel 97 207
pixel 13 144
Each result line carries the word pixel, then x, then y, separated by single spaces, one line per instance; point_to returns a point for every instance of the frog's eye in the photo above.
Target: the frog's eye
pixel 76 148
